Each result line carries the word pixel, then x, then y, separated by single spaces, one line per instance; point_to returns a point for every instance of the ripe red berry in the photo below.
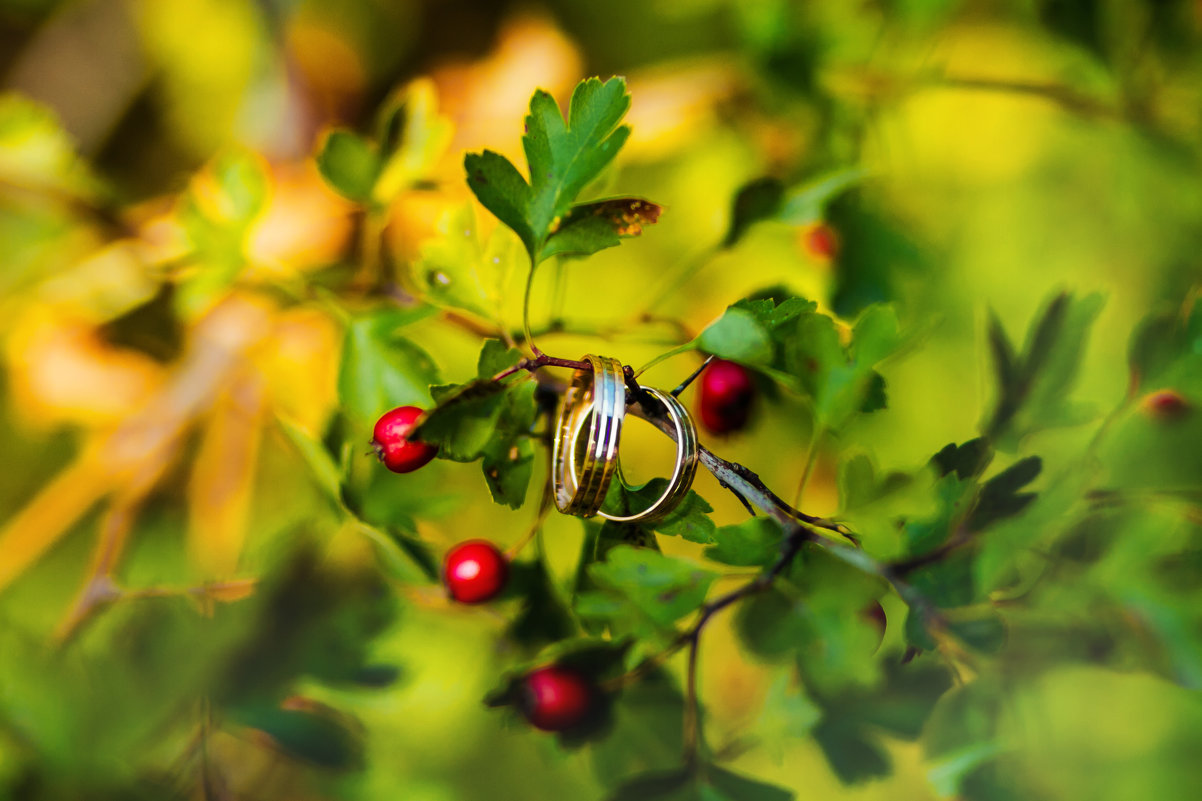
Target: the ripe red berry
pixel 390 439
pixel 1165 405
pixel 725 397
pixel 555 698
pixel 474 571
pixel 821 241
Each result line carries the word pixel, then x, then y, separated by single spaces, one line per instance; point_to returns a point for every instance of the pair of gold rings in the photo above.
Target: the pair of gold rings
pixel 582 467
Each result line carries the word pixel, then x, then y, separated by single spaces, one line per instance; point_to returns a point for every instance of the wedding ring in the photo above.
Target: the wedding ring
pixel 598 397
pixel 683 471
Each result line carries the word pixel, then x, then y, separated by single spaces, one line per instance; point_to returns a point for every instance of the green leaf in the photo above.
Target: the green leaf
pixel 854 756
pixel 756 200
pixel 842 382
pixel 1034 387
pixel 1000 497
pixel 876 251
pixel 313 733
pixel 590 227
pixel 752 543
pixel 509 456
pixel 349 164
pixel 544 618
pixel 496 357
pixel 581 237
pixel 412 138
pixel 501 189
pixel 807 202
pixel 464 420
pixel 314 454
pixel 788 715
pixel 705 783
pixel 646 734
pixel 380 368
pixel 654 590
pixel 738 336
pixel 460 269
pixel 563 157
pixel 875 336
pixel 967 460
pixel 35 150
pixel 689 520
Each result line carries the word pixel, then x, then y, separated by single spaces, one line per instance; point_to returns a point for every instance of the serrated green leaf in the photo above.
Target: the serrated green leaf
pixel 563 157
pixel 967 460
pixel 380 368
pixel 752 543
pixel 689 520
pixel 496 357
pixel 738 336
pixel 654 590
pixel 1000 497
pixel 1034 391
pixel 501 189
pixel 464 419
pixel 349 164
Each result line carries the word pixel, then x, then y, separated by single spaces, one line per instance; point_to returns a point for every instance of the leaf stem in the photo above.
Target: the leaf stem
pixel 811 458
pixel 526 309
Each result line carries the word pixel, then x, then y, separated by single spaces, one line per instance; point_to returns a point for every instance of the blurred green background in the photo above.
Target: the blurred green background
pixel 161 383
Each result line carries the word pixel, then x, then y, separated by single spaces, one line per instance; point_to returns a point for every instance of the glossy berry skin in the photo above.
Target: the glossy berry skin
pixel 821 241
pixel 394 449
pixel 1165 405
pixel 474 571
pixel 555 698
pixel 725 397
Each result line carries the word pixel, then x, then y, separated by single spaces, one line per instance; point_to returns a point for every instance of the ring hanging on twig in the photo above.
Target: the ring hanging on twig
pixel 583 471
pixel 682 472
pixel 598 396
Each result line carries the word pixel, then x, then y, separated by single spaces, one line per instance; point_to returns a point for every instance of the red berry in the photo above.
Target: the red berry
pixel 1165 404
pixel 474 571
pixel 725 397
pixel 390 439
pixel 555 698
pixel 821 241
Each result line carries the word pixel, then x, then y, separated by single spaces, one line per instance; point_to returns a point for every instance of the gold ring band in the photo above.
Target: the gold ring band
pixel 683 472
pixel 598 395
